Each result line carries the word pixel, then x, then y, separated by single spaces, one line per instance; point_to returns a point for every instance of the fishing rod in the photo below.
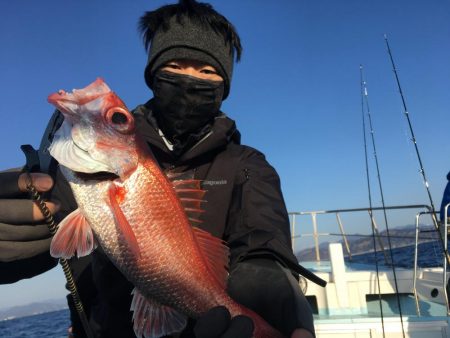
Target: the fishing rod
pixel 370 201
pixel 416 147
pixel 365 98
pixel 413 138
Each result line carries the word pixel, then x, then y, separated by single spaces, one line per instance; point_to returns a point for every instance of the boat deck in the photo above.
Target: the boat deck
pixel 362 327
pixel 349 306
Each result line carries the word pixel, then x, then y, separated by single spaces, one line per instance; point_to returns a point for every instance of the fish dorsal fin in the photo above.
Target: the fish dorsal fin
pixel 190 194
pixel 74 235
pixel 216 254
pixel 116 195
pixel 152 319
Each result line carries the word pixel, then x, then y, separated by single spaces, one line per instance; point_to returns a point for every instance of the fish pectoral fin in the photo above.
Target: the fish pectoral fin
pixel 216 253
pixel 115 195
pixel 74 235
pixel 152 319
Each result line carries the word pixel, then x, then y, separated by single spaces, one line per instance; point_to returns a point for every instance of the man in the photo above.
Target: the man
pixel 191 54
pixel 445 201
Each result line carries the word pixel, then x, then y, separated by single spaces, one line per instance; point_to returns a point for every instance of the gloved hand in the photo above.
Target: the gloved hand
pixel 217 323
pixel 24 237
pixel 266 287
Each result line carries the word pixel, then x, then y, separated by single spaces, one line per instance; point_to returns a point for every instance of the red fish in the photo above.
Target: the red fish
pixel 138 215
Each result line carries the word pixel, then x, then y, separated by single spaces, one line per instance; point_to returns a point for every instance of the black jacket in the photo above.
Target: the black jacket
pixel 244 205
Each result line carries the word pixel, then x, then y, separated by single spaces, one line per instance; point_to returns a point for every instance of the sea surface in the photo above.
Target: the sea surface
pixel 55 324
pixel 429 254
pixel 50 324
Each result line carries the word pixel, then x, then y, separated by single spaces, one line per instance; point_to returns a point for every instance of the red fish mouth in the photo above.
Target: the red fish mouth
pixel 100 176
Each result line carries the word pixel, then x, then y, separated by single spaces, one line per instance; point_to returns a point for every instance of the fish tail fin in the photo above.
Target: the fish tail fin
pixel 152 319
pixel 74 235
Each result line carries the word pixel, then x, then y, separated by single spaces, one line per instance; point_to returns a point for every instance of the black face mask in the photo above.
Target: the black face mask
pixel 185 105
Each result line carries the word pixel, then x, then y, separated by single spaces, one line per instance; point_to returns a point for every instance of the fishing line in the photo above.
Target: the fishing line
pixel 52 227
pixel 416 147
pixel 365 99
pixel 370 200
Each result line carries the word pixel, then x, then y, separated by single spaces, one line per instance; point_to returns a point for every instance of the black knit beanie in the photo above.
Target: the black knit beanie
pixel 189 39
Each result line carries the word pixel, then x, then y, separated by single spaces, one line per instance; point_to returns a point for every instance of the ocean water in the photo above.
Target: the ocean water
pixel 45 325
pixel 428 255
pixel 55 324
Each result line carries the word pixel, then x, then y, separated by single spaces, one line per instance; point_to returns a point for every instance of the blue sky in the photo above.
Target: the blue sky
pixel 295 95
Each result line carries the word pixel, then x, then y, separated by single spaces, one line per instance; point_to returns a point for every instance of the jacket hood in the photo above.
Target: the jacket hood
pixel 222 132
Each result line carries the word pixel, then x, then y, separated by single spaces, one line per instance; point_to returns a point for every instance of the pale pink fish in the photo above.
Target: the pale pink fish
pixel 129 207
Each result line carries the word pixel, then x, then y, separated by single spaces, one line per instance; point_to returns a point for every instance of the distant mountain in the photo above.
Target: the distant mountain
pixel 33 309
pixel 359 244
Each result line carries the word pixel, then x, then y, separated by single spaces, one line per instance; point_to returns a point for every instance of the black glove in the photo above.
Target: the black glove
pixel 266 287
pixel 24 238
pixel 217 323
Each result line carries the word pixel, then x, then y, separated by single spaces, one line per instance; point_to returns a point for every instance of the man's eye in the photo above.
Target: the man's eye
pixel 173 66
pixel 208 71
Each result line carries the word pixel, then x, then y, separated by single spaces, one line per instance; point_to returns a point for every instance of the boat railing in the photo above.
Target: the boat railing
pixel 295 229
pixel 443 231
pixel 425 210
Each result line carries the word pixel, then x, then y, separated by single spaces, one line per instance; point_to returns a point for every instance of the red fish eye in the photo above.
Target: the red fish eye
pixel 120 119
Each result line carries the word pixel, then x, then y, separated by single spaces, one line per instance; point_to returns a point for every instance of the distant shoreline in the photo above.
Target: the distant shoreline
pixel 401 246
pixel 34 314
pixel 401 237
pixel 32 309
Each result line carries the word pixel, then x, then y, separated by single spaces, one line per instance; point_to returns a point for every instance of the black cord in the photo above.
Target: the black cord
pixel 53 227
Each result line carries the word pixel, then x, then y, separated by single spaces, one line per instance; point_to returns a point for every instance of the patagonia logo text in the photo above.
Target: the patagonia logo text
pixel 211 183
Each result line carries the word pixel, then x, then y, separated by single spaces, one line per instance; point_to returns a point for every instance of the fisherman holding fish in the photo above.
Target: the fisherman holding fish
pixel 185 151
